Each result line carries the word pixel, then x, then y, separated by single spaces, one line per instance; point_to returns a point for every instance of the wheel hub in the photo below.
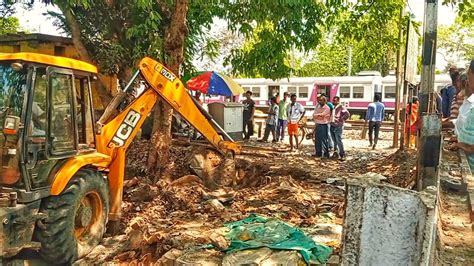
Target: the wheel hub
pixel 83 216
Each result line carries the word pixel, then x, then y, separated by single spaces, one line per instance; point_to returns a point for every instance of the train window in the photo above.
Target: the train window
pixel 245 90
pixel 358 92
pixel 345 92
pixel 291 90
pixel 303 92
pixel 256 92
pixel 389 92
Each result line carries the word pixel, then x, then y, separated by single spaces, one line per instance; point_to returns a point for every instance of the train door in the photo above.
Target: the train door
pixel 324 89
pixel 273 91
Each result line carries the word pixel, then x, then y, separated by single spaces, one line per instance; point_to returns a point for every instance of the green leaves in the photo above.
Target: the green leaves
pixel 9 25
pixel 456 41
pixel 118 33
pixel 273 29
pixel 465 9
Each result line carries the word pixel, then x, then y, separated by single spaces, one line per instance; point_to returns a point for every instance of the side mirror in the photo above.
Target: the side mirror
pixel 11 125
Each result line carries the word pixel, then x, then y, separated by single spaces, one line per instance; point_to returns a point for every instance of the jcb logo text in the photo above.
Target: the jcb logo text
pixel 125 129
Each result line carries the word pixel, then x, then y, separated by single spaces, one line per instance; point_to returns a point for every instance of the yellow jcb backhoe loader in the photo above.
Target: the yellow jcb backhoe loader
pixel 61 174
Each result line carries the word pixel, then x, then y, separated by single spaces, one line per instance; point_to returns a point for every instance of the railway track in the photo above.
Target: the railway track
pixel 387 126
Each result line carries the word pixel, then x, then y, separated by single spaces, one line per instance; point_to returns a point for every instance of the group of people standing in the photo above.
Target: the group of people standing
pixel 329 118
pixel 459 112
pixel 282 115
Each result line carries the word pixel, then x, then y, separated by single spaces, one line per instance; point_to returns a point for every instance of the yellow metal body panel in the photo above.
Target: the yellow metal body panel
pixel 50 60
pixel 114 139
pixel 120 127
pixel 116 176
pixel 69 169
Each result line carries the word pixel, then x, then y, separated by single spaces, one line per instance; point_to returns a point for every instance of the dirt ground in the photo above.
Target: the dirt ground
pixel 456 237
pixel 455 230
pixel 293 187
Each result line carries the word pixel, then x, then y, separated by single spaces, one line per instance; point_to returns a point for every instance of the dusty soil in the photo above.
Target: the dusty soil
pixel 180 212
pixel 455 230
pixel 456 238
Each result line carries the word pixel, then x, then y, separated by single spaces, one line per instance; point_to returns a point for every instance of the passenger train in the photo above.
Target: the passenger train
pixel 356 92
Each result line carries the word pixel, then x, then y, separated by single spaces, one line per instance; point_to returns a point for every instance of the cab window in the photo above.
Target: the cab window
pixel 62 133
pixel 37 127
pixel 84 119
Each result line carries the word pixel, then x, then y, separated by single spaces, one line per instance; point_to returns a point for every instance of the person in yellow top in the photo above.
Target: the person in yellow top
pixel 282 117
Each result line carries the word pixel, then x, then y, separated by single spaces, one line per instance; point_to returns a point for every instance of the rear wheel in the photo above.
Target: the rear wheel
pixel 76 219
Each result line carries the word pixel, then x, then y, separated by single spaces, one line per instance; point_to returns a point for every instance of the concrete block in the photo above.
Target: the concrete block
pixel 387 225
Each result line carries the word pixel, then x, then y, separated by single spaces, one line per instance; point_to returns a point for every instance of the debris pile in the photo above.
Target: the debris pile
pixel 173 219
pixel 182 214
pixel 398 168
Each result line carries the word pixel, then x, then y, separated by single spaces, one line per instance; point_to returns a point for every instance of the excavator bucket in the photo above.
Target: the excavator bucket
pixel 212 167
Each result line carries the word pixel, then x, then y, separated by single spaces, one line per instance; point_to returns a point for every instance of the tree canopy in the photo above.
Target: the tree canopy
pixel 370 29
pixel 8 23
pixel 116 33
pixel 465 9
pixel 456 41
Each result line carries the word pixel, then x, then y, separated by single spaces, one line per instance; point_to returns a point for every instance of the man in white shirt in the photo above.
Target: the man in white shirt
pixel 295 112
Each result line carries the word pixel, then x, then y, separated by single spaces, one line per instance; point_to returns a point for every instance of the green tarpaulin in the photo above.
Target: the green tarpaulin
pixel 256 231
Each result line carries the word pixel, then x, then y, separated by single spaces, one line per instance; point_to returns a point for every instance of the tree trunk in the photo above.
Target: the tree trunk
pixel 175 36
pixel 75 30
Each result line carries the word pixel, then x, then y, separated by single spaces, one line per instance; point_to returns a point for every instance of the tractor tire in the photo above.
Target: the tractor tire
pixel 76 219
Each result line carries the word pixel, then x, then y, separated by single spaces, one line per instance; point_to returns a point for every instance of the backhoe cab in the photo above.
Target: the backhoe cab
pixel 61 175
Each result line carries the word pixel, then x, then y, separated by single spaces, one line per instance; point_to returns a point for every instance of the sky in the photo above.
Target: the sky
pixel 35 21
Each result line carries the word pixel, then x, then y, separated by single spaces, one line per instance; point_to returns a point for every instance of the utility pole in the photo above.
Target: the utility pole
pixel 349 60
pixel 430 137
pixel 399 77
pixel 430 25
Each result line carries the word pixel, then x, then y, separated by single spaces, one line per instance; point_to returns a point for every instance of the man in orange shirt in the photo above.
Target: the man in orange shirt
pixel 322 119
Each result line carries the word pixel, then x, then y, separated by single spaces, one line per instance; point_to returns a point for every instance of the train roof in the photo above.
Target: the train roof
pixel 306 80
pixel 441 78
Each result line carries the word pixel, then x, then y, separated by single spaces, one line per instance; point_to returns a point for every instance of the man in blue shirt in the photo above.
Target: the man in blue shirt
pixel 375 115
pixel 449 92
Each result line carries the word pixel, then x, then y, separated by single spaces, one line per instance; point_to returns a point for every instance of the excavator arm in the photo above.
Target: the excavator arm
pixel 115 132
pixel 172 90
pixel 161 83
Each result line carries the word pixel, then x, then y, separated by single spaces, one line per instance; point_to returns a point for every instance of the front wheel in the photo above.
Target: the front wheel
pixel 76 219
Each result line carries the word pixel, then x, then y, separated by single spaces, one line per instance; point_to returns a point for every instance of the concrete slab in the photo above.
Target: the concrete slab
pixel 387 225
